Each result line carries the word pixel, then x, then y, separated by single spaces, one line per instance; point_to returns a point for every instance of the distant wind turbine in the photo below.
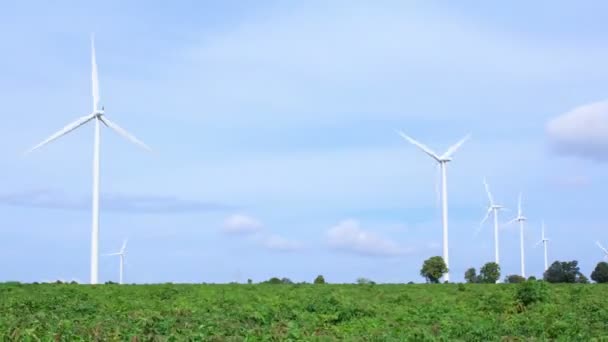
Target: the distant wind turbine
pixel 442 160
pixel 603 249
pixel 122 253
pixel 521 219
pixel 99 117
pixel 493 208
pixel 544 241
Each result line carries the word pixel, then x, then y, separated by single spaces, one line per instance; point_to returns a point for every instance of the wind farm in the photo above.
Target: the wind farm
pixel 99 118
pixel 303 171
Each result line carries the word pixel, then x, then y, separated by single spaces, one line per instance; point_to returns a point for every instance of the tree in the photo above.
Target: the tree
pixel 564 272
pixel 514 278
pixel 471 275
pixel 286 281
pixel 433 269
pixel 600 273
pixel 319 280
pixel 249 281
pixel 489 273
pixel 582 279
pixel 365 281
pixel 273 280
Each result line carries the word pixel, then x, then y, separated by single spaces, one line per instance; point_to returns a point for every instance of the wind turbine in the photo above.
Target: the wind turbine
pixel 99 117
pixel 122 255
pixel 544 241
pixel 442 160
pixel 493 208
pixel 521 219
pixel 603 249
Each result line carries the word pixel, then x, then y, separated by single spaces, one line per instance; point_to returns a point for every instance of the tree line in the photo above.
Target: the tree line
pixel 559 272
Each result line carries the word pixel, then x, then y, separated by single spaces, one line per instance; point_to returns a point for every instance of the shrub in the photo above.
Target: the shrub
pixel 514 279
pixel 365 281
pixel 529 292
pixel 600 273
pixel 319 280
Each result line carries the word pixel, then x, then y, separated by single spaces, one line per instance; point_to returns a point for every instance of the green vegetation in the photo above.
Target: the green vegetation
pixel 600 273
pixel 565 272
pixel 489 273
pixel 433 269
pixel 282 312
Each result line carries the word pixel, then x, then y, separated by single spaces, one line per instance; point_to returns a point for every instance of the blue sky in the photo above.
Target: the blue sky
pixel 273 126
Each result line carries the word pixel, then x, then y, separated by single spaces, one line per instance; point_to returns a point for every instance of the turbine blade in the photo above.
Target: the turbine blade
pixel 485 184
pixel 420 145
pixel 542 227
pixel 455 147
pixel 94 76
pixel 601 247
pixel 108 254
pixel 538 243
pixel 519 211
pixel 510 222
pixel 65 130
pixel 485 218
pixel 124 245
pixel 124 133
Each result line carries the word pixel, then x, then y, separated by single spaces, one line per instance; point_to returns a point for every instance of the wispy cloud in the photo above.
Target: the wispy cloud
pixel 349 236
pixel 241 224
pixel 581 132
pixel 247 225
pixel 49 199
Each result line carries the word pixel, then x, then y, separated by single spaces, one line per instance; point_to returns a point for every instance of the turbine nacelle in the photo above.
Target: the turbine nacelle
pixel 99 112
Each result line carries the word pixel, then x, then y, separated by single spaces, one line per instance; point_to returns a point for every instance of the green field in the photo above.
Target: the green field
pixel 471 312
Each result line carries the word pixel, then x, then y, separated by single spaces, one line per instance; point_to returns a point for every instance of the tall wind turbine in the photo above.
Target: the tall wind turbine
pixel 603 249
pixel 122 253
pixel 544 241
pixel 99 117
pixel 493 208
pixel 521 219
pixel 442 160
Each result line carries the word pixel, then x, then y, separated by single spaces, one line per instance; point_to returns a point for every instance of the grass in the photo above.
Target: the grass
pixel 443 312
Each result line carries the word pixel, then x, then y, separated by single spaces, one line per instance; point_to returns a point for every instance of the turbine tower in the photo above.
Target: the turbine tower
pixel 521 219
pixel 100 118
pixel 544 241
pixel 493 208
pixel 122 255
pixel 442 160
pixel 603 249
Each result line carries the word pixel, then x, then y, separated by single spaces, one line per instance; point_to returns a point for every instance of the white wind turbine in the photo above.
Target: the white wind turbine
pixel 442 160
pixel 99 117
pixel 544 241
pixel 122 255
pixel 521 219
pixel 493 208
pixel 603 249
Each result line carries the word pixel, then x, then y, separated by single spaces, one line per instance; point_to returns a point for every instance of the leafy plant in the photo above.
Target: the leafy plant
pixel 529 292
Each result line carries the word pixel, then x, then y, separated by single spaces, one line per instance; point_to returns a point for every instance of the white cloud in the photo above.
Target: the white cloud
pixel 279 243
pixel 241 224
pixel 349 236
pixel 581 132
